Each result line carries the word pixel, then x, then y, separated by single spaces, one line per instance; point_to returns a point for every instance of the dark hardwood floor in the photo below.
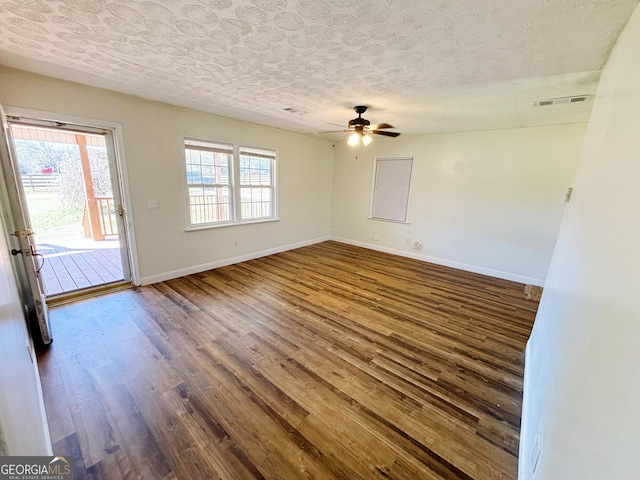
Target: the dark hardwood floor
pixel 329 361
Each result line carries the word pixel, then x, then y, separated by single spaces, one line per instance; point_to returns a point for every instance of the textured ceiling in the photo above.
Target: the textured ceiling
pixel 423 65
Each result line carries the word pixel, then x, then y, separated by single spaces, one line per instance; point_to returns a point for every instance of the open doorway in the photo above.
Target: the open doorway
pixel 70 186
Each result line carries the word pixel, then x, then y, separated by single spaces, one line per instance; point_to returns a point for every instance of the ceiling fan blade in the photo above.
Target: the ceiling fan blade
pixel 334 131
pixel 386 134
pixel 380 126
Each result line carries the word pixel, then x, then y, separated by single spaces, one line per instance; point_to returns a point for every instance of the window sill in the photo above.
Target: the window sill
pixel 389 220
pixel 224 225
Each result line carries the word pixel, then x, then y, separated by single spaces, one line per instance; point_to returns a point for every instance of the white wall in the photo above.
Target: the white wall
pixel 23 429
pixel 488 201
pixel 582 387
pixel 152 142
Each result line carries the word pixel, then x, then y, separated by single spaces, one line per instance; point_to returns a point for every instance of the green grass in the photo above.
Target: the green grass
pixel 47 212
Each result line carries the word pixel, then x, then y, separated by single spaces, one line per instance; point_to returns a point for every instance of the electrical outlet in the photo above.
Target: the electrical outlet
pixel 407 241
pixel 375 238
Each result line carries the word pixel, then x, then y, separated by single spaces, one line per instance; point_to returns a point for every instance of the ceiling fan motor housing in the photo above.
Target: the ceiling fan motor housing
pixel 360 109
pixel 359 122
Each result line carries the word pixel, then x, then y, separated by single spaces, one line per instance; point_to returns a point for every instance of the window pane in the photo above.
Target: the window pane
pixel 255 170
pixel 207 162
pixel 256 203
pixel 209 204
pixel 244 176
pixel 193 174
pixel 207 175
pixel 207 158
pixel 222 174
pixel 192 157
pixel 195 191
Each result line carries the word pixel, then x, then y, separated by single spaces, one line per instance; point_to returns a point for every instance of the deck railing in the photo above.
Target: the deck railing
pixel 107 211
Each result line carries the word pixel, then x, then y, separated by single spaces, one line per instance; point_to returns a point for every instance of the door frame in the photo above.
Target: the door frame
pixel 122 174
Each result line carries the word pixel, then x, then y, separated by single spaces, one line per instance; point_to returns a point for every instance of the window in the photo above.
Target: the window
pixel 390 197
pixel 256 183
pixel 208 181
pixel 229 184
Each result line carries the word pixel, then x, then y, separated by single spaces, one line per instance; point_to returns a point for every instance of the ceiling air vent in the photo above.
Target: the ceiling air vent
pixel 561 100
pixel 295 111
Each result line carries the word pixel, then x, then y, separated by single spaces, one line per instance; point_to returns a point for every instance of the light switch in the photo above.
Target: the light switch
pixel 153 203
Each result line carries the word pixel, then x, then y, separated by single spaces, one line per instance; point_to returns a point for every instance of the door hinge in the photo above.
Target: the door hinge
pixel 120 210
pixel 567 197
pixel 22 233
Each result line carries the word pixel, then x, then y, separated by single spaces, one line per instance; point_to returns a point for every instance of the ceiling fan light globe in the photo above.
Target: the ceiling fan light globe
pixel 353 140
pixel 366 140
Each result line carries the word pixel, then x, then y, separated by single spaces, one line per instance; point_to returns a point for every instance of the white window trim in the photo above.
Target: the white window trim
pixel 235 186
pixel 198 228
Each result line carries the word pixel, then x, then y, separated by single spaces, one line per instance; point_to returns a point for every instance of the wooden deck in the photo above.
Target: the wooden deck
pixel 327 362
pixel 89 264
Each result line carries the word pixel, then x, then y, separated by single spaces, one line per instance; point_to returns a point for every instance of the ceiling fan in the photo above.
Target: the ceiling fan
pixel 361 129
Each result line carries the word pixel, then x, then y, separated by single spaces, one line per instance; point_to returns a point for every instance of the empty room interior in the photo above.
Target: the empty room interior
pixel 288 239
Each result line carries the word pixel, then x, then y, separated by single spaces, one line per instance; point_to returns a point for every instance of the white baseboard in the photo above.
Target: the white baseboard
pixel 161 277
pixel 446 263
pixel 523 465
